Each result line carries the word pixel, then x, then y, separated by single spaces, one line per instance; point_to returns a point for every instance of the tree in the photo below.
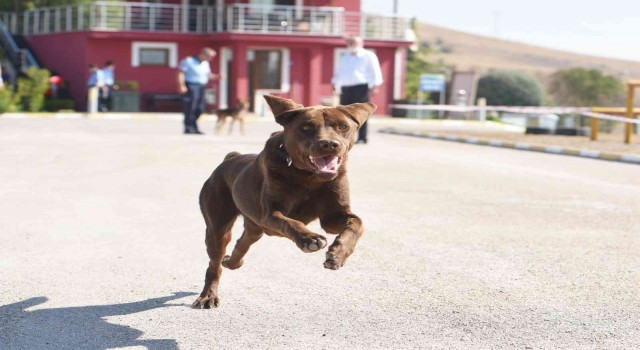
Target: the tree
pixel 507 88
pixel 585 88
pixel 417 64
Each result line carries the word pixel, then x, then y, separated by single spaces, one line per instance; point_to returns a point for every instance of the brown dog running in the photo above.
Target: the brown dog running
pixel 237 115
pixel 299 176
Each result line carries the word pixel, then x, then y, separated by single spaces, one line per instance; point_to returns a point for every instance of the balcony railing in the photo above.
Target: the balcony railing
pixel 240 18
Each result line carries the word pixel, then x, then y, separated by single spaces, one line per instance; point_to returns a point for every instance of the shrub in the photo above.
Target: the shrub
pixel 32 87
pixel 9 101
pixel 505 88
pixel 586 87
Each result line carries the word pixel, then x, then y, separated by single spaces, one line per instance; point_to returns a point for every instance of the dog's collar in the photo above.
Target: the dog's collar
pixel 282 152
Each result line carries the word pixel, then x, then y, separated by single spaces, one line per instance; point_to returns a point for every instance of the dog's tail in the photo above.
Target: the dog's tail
pixel 231 155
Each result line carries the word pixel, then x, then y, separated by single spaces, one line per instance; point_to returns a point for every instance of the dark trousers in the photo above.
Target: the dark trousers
pixel 104 99
pixel 193 104
pixel 356 94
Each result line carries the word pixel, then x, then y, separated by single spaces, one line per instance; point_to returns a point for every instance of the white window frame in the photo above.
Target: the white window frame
pixel 397 72
pixel 171 47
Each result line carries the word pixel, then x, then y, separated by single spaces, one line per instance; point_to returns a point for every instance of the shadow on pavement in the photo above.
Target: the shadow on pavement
pixel 81 327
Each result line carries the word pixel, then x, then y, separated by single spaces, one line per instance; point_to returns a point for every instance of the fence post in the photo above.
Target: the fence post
pixel 594 128
pixel 628 126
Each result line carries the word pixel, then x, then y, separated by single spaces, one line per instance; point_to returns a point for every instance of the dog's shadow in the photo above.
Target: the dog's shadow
pixel 82 327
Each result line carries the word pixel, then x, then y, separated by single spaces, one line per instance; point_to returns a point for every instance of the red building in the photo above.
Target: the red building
pixel 288 48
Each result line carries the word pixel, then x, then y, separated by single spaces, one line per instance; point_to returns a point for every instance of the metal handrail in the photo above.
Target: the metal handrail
pixel 19 57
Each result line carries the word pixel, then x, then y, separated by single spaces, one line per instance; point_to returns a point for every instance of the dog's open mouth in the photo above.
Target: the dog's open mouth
pixel 325 165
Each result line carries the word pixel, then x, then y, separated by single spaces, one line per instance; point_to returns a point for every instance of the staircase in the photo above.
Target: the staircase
pixel 16 52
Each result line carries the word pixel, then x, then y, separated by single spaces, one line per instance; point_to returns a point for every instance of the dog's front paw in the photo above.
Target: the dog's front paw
pixel 312 244
pixel 336 257
pixel 230 264
pixel 206 301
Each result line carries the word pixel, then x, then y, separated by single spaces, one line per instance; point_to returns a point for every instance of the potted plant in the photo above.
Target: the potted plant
pixel 126 96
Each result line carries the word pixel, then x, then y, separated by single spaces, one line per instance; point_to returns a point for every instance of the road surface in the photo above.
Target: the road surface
pixel 466 247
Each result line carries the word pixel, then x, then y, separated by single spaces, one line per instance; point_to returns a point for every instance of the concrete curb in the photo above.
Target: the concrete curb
pixel 115 116
pixel 616 157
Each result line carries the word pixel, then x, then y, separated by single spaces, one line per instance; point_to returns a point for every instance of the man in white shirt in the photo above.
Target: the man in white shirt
pixel 357 78
pixel 193 76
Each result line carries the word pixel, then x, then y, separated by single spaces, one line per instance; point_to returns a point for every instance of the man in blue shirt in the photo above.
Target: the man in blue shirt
pixel 109 86
pixel 357 78
pixel 193 76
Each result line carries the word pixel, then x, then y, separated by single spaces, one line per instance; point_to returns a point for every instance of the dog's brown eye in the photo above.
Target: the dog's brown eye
pixel 306 127
pixel 342 127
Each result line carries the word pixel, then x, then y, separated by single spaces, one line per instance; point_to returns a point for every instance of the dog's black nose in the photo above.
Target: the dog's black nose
pixel 328 144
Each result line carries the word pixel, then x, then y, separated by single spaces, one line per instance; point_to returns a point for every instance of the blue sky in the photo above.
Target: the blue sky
pixel 608 28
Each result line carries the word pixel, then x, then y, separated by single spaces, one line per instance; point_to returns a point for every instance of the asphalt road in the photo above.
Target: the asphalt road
pixel 466 247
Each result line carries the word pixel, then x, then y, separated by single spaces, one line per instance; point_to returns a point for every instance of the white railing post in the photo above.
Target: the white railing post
pixel 69 18
pixel 80 17
pixel 127 17
pixel 103 16
pixel 290 20
pixel 56 25
pixel 14 23
pixel 198 19
pixel 265 20
pixel 230 18
pixel 219 15
pixel 36 22
pixel 185 17
pixel 152 18
pixel 47 20
pixel 25 23
pixel 209 19
pixel 176 22
pixel 241 20
pixel 92 16
pixel 363 26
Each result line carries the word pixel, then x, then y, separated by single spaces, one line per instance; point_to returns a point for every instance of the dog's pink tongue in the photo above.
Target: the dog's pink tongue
pixel 328 164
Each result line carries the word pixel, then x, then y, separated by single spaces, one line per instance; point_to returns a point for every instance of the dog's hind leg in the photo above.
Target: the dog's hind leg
pixel 219 124
pixel 241 120
pixel 252 233
pixel 220 213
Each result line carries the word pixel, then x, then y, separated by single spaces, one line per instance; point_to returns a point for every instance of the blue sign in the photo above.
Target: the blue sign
pixel 432 82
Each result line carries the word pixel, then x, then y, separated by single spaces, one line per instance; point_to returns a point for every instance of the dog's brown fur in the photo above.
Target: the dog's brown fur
pixel 280 190
pixel 237 115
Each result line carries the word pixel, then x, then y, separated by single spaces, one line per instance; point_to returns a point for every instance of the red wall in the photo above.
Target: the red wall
pixel 65 53
pixel 81 49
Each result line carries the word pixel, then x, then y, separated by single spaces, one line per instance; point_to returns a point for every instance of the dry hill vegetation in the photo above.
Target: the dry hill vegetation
pixel 469 52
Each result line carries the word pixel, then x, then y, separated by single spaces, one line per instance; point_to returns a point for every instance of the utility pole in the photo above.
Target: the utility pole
pixel 395 7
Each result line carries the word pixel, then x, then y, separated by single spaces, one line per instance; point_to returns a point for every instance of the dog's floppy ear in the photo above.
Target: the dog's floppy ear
pixel 280 106
pixel 359 112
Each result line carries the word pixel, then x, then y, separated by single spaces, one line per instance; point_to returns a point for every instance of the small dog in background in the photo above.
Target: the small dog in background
pixel 236 113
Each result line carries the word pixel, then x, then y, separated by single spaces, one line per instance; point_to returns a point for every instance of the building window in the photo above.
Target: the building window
pixel 154 54
pixel 154 57
pixel 269 69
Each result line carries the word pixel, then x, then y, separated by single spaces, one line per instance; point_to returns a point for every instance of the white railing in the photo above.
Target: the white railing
pixel 10 20
pixel 277 19
pixel 243 18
